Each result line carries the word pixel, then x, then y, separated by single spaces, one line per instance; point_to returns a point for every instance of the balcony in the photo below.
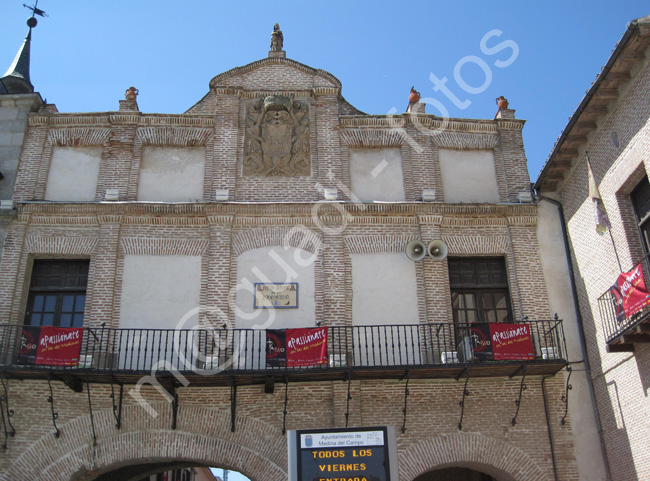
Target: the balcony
pixel 626 323
pixel 221 357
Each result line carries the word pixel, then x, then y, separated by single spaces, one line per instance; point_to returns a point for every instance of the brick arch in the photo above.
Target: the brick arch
pixel 298 236
pixel 497 458
pixel 202 437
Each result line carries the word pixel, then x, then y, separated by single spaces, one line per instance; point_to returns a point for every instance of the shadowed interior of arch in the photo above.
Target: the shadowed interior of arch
pixel 170 471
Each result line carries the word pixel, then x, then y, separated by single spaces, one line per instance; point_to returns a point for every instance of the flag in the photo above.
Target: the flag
pixel 602 221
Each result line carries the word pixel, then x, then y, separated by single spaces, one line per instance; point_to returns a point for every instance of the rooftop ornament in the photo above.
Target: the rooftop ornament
pixel 502 103
pixel 31 21
pixel 131 93
pixel 277 39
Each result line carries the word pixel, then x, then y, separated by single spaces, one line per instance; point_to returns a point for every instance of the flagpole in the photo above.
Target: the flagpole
pixel 615 251
pixel 602 219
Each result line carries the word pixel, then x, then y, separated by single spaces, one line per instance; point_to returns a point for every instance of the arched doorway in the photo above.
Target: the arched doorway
pixel 455 474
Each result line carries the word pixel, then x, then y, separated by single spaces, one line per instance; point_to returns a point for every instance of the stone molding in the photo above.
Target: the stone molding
pixel 469 214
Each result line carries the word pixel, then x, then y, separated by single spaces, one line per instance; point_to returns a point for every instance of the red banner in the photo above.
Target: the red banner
pixel 50 346
pixel 629 293
pixel 511 342
pixel 296 347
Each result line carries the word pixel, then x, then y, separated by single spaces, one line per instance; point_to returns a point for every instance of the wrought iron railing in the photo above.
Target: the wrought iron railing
pixel 615 318
pixel 208 351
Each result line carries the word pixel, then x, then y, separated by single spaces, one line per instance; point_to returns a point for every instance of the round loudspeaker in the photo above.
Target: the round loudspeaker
pixel 437 249
pixel 416 250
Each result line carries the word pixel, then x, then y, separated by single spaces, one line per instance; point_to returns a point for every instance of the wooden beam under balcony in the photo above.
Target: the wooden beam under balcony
pixel 620 348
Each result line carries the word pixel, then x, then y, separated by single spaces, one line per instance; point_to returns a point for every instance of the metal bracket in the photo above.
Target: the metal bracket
pixel 174 407
pixel 117 409
pixel 522 388
pixel 347 403
pixel 6 412
pixel 406 394
pixel 50 399
pixel 565 397
pixel 233 403
pixel 462 401
pixel 92 418
pixel 286 401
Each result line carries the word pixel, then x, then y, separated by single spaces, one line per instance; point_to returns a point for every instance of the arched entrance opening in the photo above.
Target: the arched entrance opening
pixel 456 474
pixel 170 471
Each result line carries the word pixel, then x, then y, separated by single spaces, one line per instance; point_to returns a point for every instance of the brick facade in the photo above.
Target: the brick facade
pixel 278 211
pixel 612 126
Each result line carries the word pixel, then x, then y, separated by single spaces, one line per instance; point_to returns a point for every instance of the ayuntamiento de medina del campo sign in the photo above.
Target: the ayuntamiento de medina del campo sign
pixel 346 454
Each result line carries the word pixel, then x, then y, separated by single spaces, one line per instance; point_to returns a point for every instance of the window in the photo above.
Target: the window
pixel 57 293
pixel 479 290
pixel 641 202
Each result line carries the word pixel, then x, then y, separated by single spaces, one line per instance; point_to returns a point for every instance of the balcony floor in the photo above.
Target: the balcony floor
pixel 75 377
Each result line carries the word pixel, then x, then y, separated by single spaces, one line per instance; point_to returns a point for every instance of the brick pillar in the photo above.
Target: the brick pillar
pixel 435 275
pixel 13 268
pixel 226 151
pixel 117 160
pixel 327 155
pixel 334 287
pixel 510 158
pixel 101 307
pixel 32 174
pixel 215 291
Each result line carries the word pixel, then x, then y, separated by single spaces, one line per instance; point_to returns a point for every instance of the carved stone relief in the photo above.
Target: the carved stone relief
pixel 277 138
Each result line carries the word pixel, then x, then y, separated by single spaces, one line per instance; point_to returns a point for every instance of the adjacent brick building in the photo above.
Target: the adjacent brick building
pixel 159 235
pixel 611 129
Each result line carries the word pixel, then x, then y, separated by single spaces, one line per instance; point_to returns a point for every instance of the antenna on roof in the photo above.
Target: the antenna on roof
pixel 31 21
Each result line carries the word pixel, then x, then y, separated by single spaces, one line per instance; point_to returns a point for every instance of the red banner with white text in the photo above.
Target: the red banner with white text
pixel 511 342
pixel 629 293
pixel 296 347
pixel 50 346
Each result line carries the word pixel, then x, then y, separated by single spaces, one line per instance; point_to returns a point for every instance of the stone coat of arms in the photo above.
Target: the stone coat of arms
pixel 277 138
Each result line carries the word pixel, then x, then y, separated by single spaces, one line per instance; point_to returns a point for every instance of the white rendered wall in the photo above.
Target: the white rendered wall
pixel 275 265
pixel 172 174
pixel 376 174
pixel 556 275
pixel 73 174
pixel 159 292
pixel 270 265
pixel 468 176
pixel 384 293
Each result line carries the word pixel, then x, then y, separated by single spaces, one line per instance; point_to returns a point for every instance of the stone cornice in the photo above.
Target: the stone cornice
pixel 311 215
pixel 108 118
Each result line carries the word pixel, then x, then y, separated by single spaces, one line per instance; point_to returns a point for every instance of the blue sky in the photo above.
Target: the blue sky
pixel 87 53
